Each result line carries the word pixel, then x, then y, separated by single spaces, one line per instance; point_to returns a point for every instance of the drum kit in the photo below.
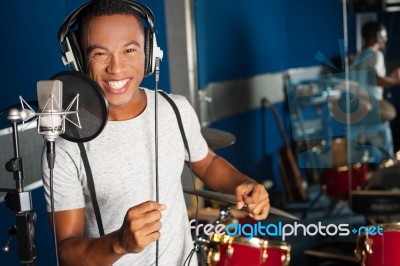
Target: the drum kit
pixel 335 180
pixel 217 249
pixel 375 195
pixel 379 201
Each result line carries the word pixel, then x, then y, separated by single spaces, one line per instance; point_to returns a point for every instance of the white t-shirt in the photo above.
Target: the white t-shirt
pixel 371 59
pixel 122 160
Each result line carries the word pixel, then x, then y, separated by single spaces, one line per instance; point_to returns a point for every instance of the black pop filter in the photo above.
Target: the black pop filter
pixel 93 106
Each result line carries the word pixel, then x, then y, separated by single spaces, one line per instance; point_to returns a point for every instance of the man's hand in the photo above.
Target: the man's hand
pixel 255 197
pixel 396 75
pixel 141 227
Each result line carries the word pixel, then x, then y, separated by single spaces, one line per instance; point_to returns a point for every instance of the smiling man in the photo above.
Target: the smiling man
pixel 113 45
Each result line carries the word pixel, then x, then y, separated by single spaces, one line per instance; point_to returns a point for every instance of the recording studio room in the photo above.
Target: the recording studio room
pixel 301 96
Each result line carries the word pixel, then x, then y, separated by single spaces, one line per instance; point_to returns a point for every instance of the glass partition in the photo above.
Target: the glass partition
pixel 294 78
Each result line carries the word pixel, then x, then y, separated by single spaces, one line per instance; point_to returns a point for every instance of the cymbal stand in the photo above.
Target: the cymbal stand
pixel 20 202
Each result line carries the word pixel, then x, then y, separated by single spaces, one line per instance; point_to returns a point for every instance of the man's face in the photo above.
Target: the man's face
pixel 114 51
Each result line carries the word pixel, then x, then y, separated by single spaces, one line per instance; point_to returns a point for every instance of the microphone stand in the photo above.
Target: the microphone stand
pixel 20 202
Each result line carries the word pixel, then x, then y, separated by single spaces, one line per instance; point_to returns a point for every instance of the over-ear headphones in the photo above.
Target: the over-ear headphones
pixel 69 43
pixel 381 38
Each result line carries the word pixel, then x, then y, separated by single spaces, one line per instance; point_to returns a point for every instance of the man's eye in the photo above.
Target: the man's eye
pixel 99 55
pixel 130 50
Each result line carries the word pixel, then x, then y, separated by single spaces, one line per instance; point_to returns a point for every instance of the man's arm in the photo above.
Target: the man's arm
pixel 389 81
pixel 221 176
pixel 141 227
pixel 73 249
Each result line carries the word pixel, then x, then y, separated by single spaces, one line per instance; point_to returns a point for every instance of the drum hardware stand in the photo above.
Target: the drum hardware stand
pixel 201 244
pixel 202 241
pixel 20 202
pixel 224 214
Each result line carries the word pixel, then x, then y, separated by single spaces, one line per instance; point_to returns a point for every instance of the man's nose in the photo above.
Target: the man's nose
pixel 115 64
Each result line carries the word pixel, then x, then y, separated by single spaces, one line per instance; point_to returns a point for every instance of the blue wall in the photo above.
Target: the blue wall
pixel 241 39
pixel 29 47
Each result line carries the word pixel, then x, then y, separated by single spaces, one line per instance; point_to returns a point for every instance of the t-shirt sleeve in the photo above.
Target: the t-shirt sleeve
pixel 67 177
pixel 197 144
pixel 380 65
pixel 371 60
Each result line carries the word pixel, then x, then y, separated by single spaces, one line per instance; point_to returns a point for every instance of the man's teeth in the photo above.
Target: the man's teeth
pixel 117 84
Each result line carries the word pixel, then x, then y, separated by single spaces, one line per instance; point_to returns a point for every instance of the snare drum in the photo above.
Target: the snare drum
pixel 237 251
pixel 380 250
pixel 336 180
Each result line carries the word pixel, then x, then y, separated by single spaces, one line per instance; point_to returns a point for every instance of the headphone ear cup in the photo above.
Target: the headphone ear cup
pixel 148 52
pixel 380 38
pixel 76 50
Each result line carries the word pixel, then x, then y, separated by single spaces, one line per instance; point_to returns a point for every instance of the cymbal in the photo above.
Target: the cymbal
pixel 376 193
pixel 362 108
pixel 216 138
pixel 376 202
pixel 226 198
pixel 211 214
pixel 388 112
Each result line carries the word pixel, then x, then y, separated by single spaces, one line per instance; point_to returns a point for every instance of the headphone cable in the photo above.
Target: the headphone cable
pixel 196 244
pixel 53 220
pixel 156 78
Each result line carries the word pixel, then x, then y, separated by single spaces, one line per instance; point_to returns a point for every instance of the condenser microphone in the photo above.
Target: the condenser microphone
pixel 86 112
pixel 51 122
pixel 51 118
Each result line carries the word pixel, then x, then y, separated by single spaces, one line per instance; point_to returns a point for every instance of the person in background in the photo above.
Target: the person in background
pixel 372 57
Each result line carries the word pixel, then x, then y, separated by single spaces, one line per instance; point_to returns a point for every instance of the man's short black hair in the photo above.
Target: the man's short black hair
pixel 105 8
pixel 371 29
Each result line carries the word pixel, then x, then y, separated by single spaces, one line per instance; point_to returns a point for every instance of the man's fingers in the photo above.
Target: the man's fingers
pixel 147 207
pixel 256 196
pixel 152 227
pixel 146 212
pixel 242 192
pixel 259 209
pixel 162 207
pixel 261 215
